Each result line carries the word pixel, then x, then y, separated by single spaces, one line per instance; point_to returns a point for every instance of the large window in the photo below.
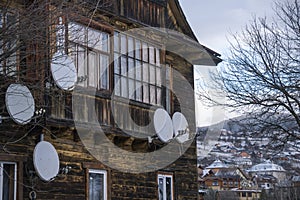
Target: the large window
pixel 97 185
pixel 8 43
pixel 90 51
pixel 8 181
pixel 165 187
pixel 137 69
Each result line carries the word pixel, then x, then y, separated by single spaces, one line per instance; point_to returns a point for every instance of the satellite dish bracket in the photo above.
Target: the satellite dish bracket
pixel 151 138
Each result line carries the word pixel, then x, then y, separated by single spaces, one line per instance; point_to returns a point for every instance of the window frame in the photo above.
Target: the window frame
pixel 131 51
pixel 15 172
pixel 83 46
pixel 215 183
pixel 105 188
pixel 165 176
pixel 100 167
pixel 18 159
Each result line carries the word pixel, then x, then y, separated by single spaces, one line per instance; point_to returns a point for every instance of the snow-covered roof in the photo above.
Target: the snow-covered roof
pixel 217 164
pixel 296 179
pixel 205 172
pixel 267 166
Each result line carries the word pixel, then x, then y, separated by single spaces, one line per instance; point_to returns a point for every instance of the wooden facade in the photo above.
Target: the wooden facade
pixel 34 55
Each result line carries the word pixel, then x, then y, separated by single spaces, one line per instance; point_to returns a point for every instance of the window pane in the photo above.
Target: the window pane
pixel 105 42
pixel 145 72
pixel 92 69
pixel 158 76
pixel 138 91
pixel 135 68
pixel 152 74
pixel 123 65
pixel 81 65
pixel 117 64
pixel 131 71
pixel 169 188
pixel 151 55
pixel 161 188
pixel 117 85
pixel 8 188
pixel 157 55
pixel 146 93
pixel 123 44
pixel 104 71
pixel 116 42
pixel 131 88
pixel 94 39
pixel 96 186
pixel 124 88
pixel 152 95
pixel 130 46
pixel 158 96
pixel 145 52
pixel 76 33
pixel 138 49
pixel 138 67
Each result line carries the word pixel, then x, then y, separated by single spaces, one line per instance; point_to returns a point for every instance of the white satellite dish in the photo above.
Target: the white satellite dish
pixel 180 127
pixel 63 71
pixel 163 125
pixel 19 103
pixel 45 160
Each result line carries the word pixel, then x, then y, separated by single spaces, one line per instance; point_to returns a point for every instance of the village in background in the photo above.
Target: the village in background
pixel 245 164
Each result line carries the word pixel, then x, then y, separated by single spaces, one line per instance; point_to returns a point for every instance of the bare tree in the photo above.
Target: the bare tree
pixel 31 32
pixel 262 74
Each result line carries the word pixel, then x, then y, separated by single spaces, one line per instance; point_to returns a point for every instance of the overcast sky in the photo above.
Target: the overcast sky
pixel 212 22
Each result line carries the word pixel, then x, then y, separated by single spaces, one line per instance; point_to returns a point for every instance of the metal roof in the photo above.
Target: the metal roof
pixel 267 166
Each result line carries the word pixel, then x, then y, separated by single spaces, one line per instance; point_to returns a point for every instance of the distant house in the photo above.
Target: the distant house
pixel 239 195
pixel 227 182
pixel 264 181
pixel 244 155
pixel 225 179
pixel 296 181
pixel 217 165
pixel 242 161
pixel 268 168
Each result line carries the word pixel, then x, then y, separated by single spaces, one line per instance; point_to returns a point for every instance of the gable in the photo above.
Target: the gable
pixel 176 20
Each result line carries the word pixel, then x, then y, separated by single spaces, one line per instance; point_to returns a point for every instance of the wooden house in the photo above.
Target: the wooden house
pixel 102 154
pixel 225 179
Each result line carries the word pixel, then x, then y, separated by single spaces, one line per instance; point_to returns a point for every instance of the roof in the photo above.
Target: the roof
pixel 267 166
pixel 227 173
pixel 296 179
pixel 185 27
pixel 264 177
pixel 206 172
pixel 233 172
pixel 217 164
